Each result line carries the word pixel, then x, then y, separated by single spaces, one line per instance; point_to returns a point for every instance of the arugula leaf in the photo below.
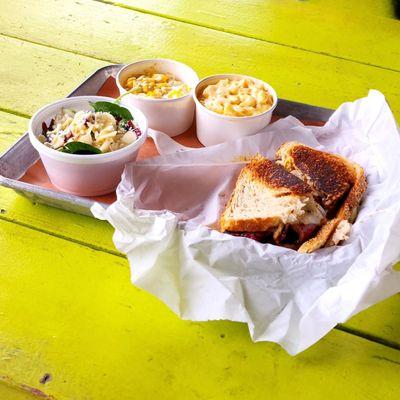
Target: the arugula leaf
pixel 112 108
pixel 80 148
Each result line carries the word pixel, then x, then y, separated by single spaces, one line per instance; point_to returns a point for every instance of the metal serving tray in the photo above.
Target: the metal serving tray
pixel 17 160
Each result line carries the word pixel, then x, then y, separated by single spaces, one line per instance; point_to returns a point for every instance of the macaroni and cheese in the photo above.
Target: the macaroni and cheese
pixel 98 129
pixel 157 86
pixel 237 97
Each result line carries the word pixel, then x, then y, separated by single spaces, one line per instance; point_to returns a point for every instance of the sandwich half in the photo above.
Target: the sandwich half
pixel 272 205
pixel 337 184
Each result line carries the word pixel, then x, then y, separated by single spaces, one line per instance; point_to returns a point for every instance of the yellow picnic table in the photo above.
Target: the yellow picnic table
pixel 72 326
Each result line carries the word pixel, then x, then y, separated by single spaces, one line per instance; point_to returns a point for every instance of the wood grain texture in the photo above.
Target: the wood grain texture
pixel 296 74
pixel 11 128
pixel 97 337
pixel 378 8
pixel 9 391
pixel 382 320
pixel 36 75
pixel 318 26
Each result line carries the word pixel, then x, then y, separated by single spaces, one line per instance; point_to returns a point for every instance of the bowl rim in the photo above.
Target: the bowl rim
pixel 150 99
pixel 233 117
pixel 85 158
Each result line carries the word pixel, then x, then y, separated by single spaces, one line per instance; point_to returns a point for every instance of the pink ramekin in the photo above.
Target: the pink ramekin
pixel 84 175
pixel 213 128
pixel 171 116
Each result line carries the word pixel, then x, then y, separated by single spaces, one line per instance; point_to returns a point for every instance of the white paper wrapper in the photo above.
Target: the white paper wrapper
pixel 285 297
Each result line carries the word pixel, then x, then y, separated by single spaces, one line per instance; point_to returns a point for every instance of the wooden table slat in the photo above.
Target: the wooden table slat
pixel 98 337
pixel 341 30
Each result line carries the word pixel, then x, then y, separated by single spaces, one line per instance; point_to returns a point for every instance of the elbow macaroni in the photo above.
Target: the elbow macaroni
pixel 237 97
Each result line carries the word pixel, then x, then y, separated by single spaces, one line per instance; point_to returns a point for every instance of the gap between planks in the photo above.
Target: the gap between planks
pixel 13 112
pixel 60 236
pixel 341 327
pixel 235 33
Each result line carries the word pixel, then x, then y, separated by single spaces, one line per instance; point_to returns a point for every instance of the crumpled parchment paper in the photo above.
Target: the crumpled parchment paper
pixel 166 204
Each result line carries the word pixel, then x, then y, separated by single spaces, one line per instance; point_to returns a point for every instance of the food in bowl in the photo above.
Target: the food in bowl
pixel 82 169
pixel 171 115
pixel 216 127
pixel 157 86
pixel 106 128
pixel 237 97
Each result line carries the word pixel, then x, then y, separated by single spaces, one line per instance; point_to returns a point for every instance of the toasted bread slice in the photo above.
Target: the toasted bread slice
pixel 347 213
pixel 267 196
pixel 338 183
pixel 330 176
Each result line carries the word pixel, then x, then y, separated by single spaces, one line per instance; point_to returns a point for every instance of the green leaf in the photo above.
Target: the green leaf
pixel 112 108
pixel 80 148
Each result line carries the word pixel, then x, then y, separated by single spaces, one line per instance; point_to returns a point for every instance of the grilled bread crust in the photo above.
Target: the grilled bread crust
pixel 274 176
pixel 347 211
pixel 331 176
pixel 248 225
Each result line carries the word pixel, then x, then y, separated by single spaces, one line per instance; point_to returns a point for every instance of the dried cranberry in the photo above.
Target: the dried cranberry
pixel 130 126
pixel 138 132
pixel 45 129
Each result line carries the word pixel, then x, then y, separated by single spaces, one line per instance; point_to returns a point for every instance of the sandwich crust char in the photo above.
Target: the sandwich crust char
pixel 329 175
pixel 338 183
pixel 275 177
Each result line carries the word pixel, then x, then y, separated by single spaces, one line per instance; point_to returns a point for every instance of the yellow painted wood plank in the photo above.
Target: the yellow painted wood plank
pixel 381 320
pixel 123 35
pixel 35 75
pixel 71 313
pixel 350 30
pixel 8 392
pixel 378 8
pixel 72 227
pixel 11 128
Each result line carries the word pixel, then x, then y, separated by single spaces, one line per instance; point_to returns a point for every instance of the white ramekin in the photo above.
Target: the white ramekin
pixel 84 175
pixel 171 116
pixel 213 128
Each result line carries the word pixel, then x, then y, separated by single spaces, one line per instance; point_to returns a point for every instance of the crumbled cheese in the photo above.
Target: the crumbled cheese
pixel 342 232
